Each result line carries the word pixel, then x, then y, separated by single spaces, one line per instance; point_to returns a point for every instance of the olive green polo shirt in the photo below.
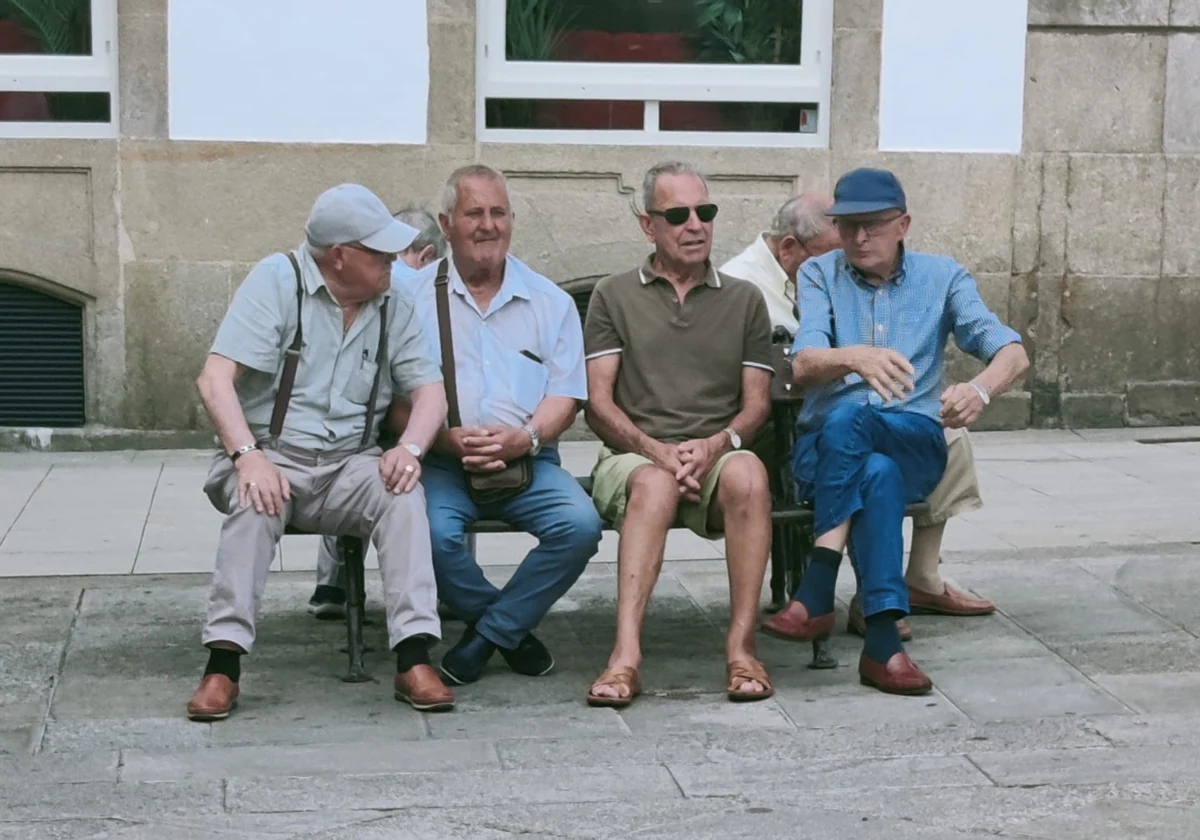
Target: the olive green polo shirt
pixel 681 363
pixel 328 409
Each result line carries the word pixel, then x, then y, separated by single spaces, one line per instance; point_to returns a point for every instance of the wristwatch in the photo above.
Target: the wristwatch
pixel 734 437
pixel 983 394
pixel 414 449
pixel 533 436
pixel 242 450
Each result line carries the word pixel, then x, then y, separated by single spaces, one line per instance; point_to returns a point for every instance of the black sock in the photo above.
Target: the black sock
pixel 412 651
pixel 820 578
pixel 883 639
pixel 227 662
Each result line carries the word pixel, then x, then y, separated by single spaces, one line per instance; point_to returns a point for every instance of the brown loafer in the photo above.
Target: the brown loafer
pixel 794 624
pixel 951 602
pixel 422 688
pixel 214 699
pixel 856 622
pixel 899 676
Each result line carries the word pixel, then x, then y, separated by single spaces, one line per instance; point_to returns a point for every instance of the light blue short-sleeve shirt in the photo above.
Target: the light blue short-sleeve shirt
pixel 526 347
pixel 337 367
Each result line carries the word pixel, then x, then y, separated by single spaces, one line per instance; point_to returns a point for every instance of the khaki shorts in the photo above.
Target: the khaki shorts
pixel 610 490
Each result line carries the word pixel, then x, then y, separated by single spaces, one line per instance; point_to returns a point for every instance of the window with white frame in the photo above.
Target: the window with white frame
pixel 58 68
pixel 679 72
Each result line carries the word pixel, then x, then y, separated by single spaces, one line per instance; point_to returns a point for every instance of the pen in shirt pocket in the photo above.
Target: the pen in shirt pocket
pixel 529 355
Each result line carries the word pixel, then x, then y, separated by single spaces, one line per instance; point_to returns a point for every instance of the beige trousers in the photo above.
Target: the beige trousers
pixel 332 493
pixel 958 491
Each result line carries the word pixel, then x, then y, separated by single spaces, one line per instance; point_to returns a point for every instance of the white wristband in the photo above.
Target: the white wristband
pixel 983 394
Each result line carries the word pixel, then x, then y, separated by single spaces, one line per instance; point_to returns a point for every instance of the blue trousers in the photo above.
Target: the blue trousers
pixel 553 508
pixel 867 465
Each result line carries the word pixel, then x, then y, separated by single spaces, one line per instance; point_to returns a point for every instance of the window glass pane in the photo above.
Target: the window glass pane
pixel 655 31
pixel 22 106
pixel 565 114
pixel 46 27
pixel 776 117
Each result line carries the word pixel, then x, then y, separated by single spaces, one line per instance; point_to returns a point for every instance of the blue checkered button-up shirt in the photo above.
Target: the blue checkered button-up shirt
pixel 914 313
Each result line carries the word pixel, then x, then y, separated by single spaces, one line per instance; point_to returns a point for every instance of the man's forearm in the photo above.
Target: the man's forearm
pixel 225 411
pixel 1005 368
pixel 819 366
pixel 427 416
pixel 554 416
pixel 615 429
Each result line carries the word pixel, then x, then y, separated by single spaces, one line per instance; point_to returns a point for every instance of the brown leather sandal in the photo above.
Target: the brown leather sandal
pixel 618 677
pixel 743 671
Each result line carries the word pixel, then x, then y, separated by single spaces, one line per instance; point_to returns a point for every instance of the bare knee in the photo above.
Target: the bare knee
pixel 743 483
pixel 652 493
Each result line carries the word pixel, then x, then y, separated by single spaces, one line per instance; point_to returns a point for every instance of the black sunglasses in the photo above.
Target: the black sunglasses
pixel 679 215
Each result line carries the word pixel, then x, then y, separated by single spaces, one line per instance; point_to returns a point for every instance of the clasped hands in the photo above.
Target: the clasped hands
pixel 690 461
pixel 890 375
pixel 484 449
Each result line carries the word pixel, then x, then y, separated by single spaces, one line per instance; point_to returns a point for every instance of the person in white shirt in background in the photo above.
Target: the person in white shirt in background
pixel 328 601
pixel 799 231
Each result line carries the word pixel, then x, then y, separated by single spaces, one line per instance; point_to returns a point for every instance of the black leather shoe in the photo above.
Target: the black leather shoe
pixel 530 658
pixel 464 663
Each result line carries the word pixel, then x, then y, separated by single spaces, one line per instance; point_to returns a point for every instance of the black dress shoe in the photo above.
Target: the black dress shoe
pixel 530 657
pixel 464 663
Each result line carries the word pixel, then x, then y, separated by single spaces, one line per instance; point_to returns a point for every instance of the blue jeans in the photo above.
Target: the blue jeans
pixel 553 508
pixel 867 465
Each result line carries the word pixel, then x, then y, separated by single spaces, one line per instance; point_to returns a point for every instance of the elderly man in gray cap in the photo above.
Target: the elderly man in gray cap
pixel 312 349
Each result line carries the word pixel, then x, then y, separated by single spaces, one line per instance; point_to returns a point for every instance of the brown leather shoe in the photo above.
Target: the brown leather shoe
pixel 214 699
pixel 422 688
pixel 794 624
pixel 856 622
pixel 899 676
pixel 951 602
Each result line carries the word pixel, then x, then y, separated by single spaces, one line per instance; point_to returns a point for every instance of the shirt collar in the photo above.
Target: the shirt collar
pixel 514 284
pixel 897 278
pixel 648 275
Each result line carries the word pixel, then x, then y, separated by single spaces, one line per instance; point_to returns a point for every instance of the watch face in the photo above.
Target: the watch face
pixel 414 449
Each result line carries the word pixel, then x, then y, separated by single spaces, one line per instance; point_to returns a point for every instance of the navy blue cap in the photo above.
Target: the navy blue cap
pixel 867 191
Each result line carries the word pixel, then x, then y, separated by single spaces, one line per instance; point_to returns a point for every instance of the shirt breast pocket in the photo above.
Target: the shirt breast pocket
pixel 358 389
pixel 528 385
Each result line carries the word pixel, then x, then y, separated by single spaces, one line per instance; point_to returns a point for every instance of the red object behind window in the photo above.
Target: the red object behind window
pixel 629 47
pixel 21 106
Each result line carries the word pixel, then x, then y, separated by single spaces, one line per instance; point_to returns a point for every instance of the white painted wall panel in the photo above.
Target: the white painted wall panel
pixel 299 71
pixel 953 75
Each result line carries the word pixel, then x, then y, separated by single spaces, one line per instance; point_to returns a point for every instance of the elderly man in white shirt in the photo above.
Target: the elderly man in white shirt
pixel 799 231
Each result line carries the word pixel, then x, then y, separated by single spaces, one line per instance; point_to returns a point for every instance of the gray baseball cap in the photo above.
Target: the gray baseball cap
pixel 352 213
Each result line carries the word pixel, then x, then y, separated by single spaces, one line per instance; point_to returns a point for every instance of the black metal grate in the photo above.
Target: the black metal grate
pixel 41 359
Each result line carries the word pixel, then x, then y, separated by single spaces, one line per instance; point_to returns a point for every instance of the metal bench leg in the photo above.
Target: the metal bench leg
pixel 351 553
pixel 779 555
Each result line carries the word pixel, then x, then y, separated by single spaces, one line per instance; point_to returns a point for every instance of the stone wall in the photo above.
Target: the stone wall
pixel 1086 242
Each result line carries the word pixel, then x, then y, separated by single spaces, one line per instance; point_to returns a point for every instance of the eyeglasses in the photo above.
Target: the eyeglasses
pixel 870 227
pixel 677 216
pixel 384 255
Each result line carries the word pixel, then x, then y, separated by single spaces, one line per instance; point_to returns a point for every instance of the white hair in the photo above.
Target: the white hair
pixel 802 217
pixel 429 232
pixel 317 252
pixel 672 167
pixel 474 170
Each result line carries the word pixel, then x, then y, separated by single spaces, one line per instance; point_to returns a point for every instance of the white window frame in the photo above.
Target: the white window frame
pixel 97 73
pixel 807 82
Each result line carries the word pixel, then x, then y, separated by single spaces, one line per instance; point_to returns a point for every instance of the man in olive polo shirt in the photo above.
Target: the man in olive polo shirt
pixel 679 371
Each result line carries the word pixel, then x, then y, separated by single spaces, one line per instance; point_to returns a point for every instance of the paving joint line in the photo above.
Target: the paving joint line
pixel 25 506
pixel 39 733
pixel 146 522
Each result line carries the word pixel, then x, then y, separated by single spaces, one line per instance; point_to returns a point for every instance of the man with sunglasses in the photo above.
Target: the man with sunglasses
pixel 874 321
pixel 303 452
pixel 799 231
pixel 679 371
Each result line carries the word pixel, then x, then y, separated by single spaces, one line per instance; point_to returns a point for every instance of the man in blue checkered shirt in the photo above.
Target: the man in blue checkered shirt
pixel 875 318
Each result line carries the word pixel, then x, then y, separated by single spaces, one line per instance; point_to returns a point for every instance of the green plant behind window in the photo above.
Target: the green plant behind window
pixel 61 27
pixel 533 31
pixel 749 31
